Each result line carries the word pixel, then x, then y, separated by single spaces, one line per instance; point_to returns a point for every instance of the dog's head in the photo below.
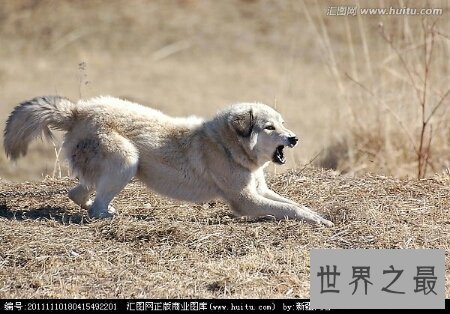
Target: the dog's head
pixel 261 129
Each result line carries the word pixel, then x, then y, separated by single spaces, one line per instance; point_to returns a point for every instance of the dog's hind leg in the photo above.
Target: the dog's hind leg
pixel 108 186
pixel 105 161
pixel 118 169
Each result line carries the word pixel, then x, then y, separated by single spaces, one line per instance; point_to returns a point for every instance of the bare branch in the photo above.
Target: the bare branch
pixel 441 101
pixel 388 108
pixel 403 62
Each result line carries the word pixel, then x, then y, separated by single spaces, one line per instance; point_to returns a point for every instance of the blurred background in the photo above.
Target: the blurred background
pixel 365 93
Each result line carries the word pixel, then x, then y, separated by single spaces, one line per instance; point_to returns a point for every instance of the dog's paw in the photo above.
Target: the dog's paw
pixel 111 210
pixel 311 216
pixel 326 222
pixel 101 214
pixel 87 205
pixel 322 221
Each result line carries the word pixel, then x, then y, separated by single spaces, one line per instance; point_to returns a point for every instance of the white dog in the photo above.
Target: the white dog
pixel 108 141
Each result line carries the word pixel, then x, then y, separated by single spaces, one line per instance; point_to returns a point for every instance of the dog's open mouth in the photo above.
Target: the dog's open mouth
pixel 278 156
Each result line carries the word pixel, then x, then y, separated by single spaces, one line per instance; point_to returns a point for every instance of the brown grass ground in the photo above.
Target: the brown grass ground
pixel 159 248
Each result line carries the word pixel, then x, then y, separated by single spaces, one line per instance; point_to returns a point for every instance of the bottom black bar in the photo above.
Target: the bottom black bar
pixel 159 305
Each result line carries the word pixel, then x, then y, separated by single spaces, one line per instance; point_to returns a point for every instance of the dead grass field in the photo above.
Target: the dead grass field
pixel 340 86
pixel 156 248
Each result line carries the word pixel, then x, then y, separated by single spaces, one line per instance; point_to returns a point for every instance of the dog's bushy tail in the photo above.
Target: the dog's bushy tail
pixel 33 118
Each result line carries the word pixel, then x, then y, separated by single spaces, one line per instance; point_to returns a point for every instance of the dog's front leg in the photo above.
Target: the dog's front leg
pixel 240 191
pixel 251 203
pixel 265 191
pixel 268 193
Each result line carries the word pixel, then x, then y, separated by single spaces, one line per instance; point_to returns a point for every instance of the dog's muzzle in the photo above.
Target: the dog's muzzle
pixel 278 155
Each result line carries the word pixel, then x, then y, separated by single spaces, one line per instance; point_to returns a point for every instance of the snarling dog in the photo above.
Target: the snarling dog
pixel 108 141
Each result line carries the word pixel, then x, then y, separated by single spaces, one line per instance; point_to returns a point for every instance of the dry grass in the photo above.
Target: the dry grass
pixel 158 248
pixel 195 57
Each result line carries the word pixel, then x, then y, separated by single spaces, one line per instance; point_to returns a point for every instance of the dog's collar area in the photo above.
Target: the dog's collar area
pixel 278 156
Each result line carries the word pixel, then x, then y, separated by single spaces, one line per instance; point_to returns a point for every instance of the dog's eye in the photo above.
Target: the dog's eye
pixel 270 127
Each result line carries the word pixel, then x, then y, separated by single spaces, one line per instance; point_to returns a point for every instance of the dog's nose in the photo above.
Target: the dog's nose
pixel 293 140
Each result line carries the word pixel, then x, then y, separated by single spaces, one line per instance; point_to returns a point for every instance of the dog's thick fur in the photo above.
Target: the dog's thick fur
pixel 108 141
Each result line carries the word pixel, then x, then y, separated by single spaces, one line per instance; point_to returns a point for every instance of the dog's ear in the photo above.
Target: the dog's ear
pixel 243 122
